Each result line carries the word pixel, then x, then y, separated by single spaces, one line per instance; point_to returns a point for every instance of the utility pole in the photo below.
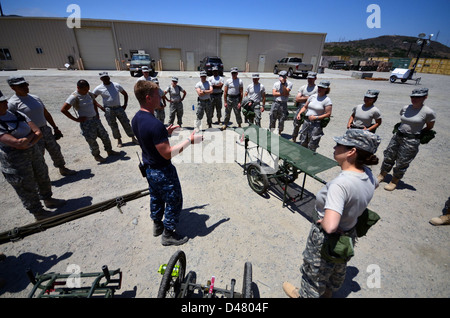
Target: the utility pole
pixel 420 41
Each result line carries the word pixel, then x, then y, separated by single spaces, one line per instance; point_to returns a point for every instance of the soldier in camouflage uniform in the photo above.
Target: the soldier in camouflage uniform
pixel 109 91
pixel 32 106
pixel 302 96
pixel 176 101
pixel 204 90
pixel 216 96
pixel 85 105
pixel 404 145
pixel 233 94
pixel 279 111
pixel 317 108
pixel 22 162
pixel 338 205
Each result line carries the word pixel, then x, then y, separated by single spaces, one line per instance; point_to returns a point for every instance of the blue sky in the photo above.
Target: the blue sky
pixel 341 20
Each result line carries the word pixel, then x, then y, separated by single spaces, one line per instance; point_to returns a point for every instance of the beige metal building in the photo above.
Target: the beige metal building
pixel 27 43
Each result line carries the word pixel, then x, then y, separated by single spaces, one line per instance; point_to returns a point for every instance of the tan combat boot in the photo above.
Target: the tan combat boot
pixel 291 290
pixel 381 176
pixel 392 185
pixel 442 220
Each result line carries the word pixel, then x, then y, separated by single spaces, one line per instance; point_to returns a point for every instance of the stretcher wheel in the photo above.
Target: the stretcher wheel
pixel 257 180
pixel 171 281
pixel 247 285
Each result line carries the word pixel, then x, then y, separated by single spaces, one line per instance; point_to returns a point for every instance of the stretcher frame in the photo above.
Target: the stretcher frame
pixel 295 158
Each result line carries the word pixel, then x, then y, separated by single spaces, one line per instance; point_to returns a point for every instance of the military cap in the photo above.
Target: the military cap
pixel 361 139
pixel 372 93
pixel 174 79
pixel 16 80
pixel 203 73
pixel 234 70
pixel 283 73
pixel 145 69
pixel 312 75
pixel 103 74
pixel 324 84
pixel 255 75
pixel 419 92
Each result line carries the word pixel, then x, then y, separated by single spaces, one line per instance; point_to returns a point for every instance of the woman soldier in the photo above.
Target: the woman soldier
pixel 338 205
pixel 22 163
pixel 404 145
pixel 367 115
pixel 316 110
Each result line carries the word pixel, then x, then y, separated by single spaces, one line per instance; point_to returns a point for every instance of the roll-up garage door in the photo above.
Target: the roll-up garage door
pixel 233 51
pixel 97 48
pixel 170 59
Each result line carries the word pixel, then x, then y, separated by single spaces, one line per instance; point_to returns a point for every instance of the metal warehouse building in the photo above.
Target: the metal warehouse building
pixel 28 43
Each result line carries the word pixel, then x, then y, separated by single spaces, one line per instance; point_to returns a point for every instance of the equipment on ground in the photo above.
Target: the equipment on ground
pixel 40 226
pixel 403 74
pixel 55 285
pixel 295 159
pixel 176 284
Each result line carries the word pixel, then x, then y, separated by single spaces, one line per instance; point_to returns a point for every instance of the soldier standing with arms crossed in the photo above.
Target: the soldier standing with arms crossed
pixel 32 106
pixel 22 163
pixel 281 90
pixel 204 90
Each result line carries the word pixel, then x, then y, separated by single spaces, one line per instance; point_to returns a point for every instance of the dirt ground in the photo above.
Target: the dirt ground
pixel 227 223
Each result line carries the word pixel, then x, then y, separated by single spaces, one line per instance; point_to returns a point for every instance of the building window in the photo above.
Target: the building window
pixel 5 55
pixel 39 50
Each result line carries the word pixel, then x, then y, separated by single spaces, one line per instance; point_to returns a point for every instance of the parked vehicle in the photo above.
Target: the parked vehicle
pixel 293 66
pixel 139 60
pixel 339 65
pixel 208 62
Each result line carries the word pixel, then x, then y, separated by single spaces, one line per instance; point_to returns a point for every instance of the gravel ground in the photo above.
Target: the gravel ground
pixel 226 222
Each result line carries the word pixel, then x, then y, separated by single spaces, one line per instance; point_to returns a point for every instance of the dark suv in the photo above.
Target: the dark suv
pixel 208 62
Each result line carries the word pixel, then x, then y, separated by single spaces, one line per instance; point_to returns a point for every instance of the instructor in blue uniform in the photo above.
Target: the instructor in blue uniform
pixel 166 200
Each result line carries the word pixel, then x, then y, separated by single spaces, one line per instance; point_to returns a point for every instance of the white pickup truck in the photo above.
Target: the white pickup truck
pixel 293 66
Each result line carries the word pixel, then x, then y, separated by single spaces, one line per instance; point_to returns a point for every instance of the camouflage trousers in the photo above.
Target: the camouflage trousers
pixel 400 152
pixel 166 199
pixel 258 114
pixel 317 273
pixel 91 129
pixel 49 143
pixel 204 106
pixel 310 134
pixel 216 104
pixel 232 104
pixel 160 114
pixel 279 112
pixel 114 113
pixel 176 108
pixel 296 121
pixel 26 171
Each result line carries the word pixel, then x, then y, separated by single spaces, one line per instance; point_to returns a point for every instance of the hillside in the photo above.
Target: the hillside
pixel 386 46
